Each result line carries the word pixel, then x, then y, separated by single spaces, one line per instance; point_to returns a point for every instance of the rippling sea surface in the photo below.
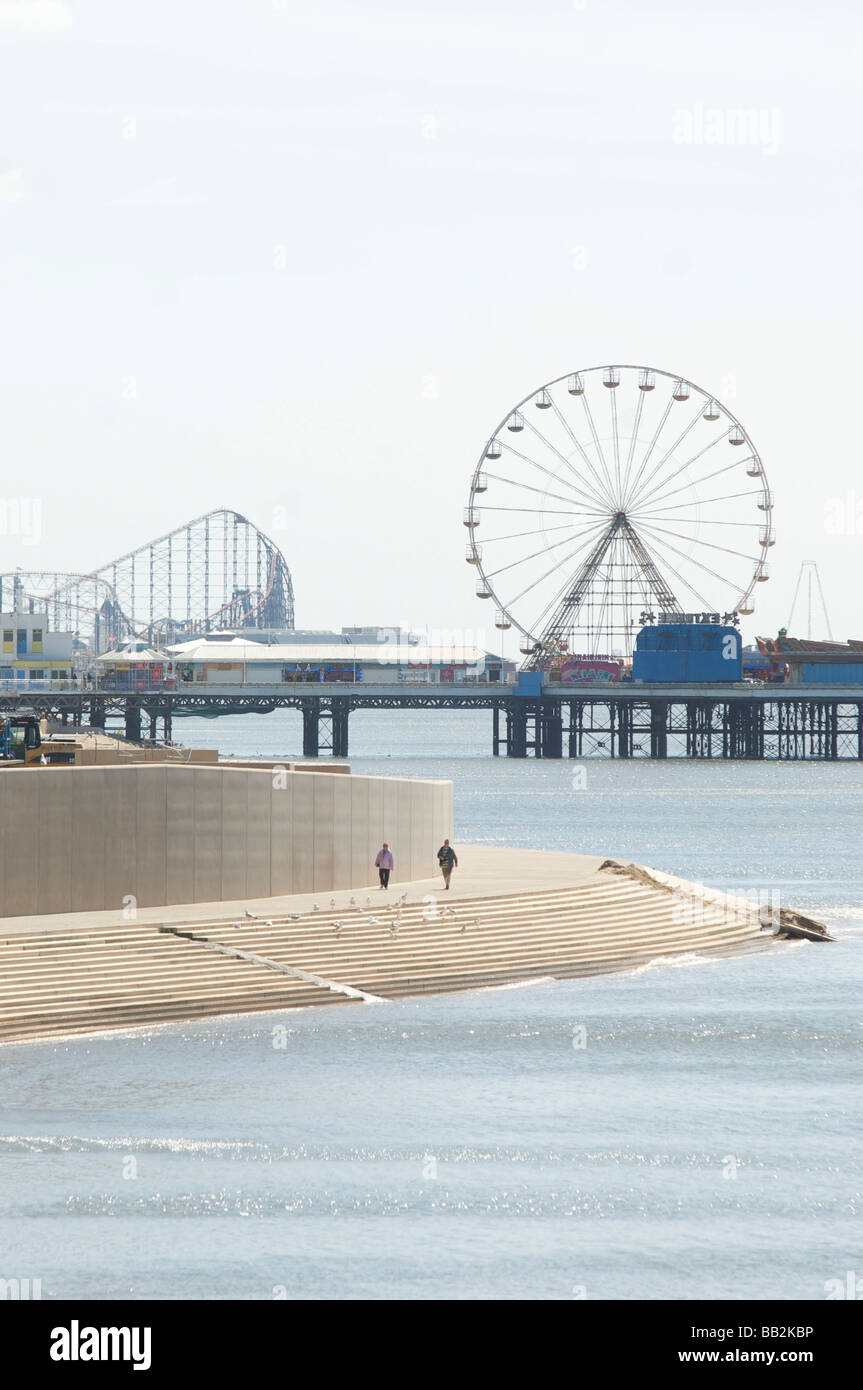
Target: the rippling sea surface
pixel 689 1130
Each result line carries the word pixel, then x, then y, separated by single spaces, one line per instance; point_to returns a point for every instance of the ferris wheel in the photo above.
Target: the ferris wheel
pixel 612 496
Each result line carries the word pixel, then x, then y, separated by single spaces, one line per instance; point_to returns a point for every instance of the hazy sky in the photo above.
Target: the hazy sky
pixel 304 256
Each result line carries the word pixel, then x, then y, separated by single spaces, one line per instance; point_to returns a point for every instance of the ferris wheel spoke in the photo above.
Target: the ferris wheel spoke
pixel 700 521
pixel 652 445
pixel 588 539
pixel 685 487
pixel 537 511
pixel 686 583
pixel 668 453
pixel 706 501
pixel 492 574
pixel 563 459
pixel 710 545
pixel 663 482
pixel 633 441
pixel 586 458
pixel 616 444
pixel 596 444
pixel 540 623
pixel 587 495
pixel 513 482
pixel 516 535
pixel 690 559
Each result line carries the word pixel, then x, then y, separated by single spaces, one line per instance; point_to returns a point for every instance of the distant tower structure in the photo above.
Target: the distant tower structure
pixel 811 595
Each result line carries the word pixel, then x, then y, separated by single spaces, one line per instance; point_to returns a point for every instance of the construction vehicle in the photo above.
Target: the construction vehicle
pixel 21 742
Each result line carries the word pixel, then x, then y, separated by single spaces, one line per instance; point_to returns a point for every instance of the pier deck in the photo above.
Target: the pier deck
pixel 784 722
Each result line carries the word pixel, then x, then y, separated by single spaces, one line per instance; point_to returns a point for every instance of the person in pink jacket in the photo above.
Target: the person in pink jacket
pixel 384 864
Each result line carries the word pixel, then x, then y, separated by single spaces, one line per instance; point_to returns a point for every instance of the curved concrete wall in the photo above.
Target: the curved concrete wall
pixel 79 838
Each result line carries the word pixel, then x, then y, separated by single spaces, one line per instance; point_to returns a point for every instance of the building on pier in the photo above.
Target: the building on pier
pixel 226 659
pixel 802 661
pixel 31 652
pixel 132 666
pixel 682 653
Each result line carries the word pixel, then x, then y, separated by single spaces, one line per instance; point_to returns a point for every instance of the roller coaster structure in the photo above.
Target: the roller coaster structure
pixel 216 572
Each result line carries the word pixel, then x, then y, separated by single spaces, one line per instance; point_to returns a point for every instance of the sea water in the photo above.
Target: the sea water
pixel 690 1129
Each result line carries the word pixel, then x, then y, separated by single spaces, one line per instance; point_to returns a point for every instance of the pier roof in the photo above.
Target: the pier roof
pixel 367 653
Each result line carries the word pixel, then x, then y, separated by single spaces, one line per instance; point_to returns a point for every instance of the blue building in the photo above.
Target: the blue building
pixel 687 653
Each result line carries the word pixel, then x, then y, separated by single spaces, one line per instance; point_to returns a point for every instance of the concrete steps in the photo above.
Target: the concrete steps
pixel 54 982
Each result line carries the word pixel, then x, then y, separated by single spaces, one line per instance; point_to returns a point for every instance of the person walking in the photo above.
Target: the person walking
pixel 384 864
pixel 446 857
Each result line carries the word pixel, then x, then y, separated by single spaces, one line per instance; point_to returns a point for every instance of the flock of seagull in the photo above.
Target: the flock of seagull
pixel 394 925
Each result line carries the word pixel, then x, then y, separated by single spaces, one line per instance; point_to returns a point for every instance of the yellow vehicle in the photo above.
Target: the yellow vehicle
pixel 21 743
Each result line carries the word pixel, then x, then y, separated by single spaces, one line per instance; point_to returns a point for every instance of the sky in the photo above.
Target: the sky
pixel 298 259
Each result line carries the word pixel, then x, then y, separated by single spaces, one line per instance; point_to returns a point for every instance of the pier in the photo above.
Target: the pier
pixel 770 722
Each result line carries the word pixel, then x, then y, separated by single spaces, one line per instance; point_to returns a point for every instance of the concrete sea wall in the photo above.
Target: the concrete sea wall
pixel 81 838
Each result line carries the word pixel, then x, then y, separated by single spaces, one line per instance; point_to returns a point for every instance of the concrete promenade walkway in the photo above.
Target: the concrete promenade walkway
pixel 512 916
pixel 482 871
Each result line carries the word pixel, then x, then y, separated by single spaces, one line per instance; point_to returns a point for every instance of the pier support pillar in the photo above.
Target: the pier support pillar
pixel 516 732
pixel 311 733
pixel 624 729
pixel 97 714
pixel 495 731
pixel 659 728
pixel 340 730
pixel 550 731
pixel 133 721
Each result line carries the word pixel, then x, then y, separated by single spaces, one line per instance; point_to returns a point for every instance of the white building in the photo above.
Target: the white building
pixel 31 652
pixel 221 658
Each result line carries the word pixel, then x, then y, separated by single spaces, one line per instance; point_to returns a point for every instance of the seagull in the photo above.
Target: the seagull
pixel 338 927
pixel 375 921
pixel 368 902
pixel 450 911
pixel 316 908
pixel 332 902
pixel 295 916
pixel 353 902
pixel 252 915
pixel 463 927
pixel 476 921
pixel 394 931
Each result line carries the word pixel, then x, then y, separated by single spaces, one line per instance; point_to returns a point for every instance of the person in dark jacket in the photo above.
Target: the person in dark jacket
pixel 446 857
